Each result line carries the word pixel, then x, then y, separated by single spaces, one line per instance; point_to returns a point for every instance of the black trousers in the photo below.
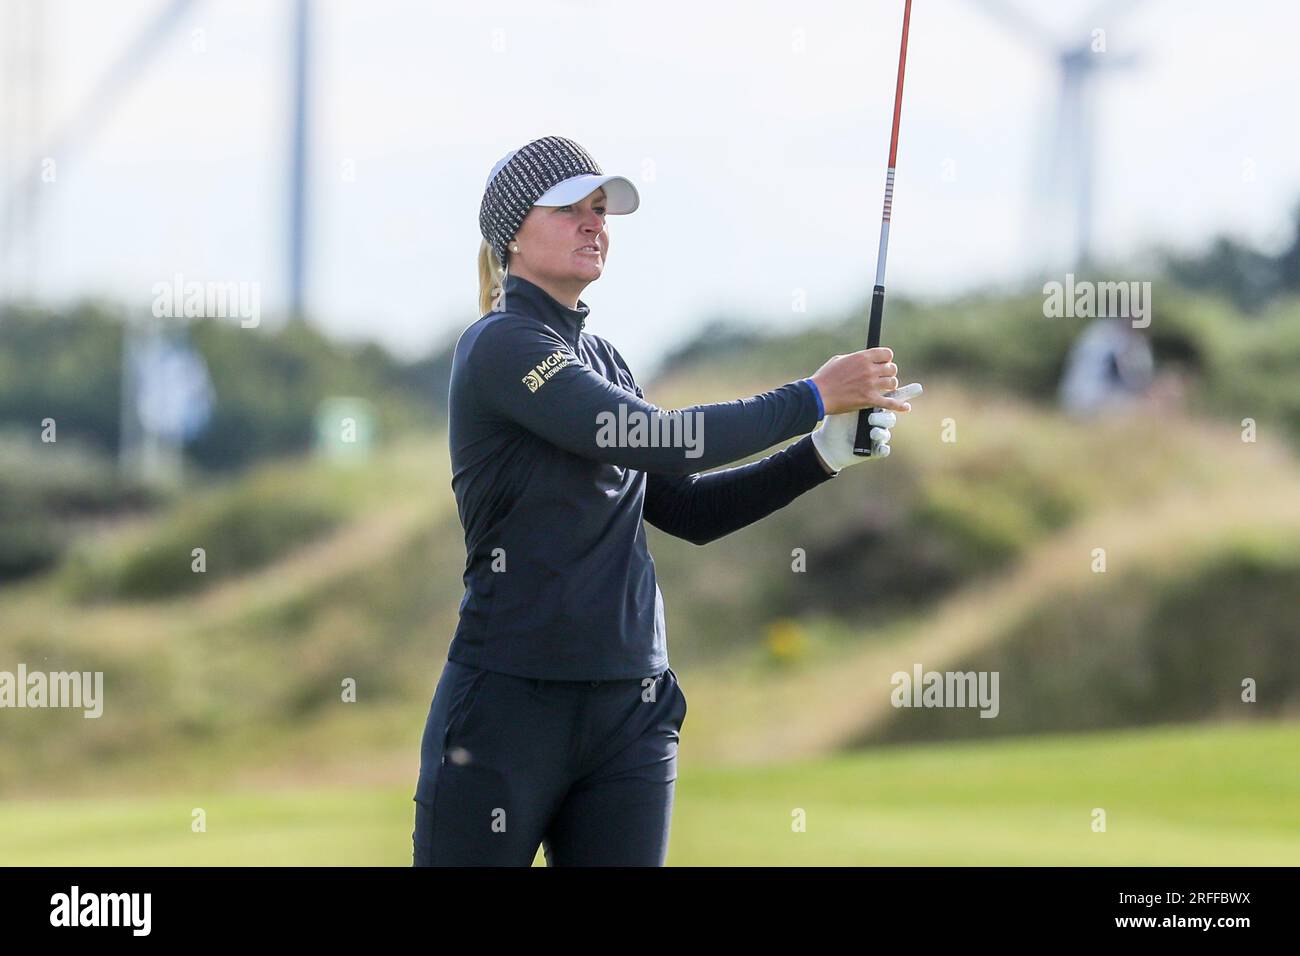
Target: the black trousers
pixel 585 769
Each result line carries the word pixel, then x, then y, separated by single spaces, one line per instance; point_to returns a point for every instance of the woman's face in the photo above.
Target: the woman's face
pixel 554 242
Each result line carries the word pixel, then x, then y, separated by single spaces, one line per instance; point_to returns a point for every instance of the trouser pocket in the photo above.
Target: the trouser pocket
pixel 453 704
pixel 462 708
pixel 681 698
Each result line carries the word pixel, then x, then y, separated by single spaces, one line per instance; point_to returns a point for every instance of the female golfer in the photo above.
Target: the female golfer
pixel 556 719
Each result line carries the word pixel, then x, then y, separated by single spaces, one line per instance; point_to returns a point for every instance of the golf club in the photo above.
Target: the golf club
pixel 862 438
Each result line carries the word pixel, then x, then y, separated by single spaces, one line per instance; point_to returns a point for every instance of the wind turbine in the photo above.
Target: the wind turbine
pixel 21 39
pixel 1070 168
pixel 151 444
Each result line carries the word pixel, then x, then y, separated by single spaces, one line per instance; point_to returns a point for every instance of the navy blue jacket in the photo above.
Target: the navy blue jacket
pixel 559 583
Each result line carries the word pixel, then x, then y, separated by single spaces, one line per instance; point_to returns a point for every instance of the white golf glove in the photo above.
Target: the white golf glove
pixel 834 436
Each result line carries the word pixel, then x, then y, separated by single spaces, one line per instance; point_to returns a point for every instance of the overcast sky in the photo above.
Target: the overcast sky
pixel 756 133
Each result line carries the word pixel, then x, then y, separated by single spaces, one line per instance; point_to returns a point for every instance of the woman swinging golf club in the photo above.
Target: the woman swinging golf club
pixel 556 718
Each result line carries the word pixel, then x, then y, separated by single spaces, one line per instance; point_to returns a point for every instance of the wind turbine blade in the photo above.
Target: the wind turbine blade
pixel 1107 12
pixel 1015 19
pixel 109 89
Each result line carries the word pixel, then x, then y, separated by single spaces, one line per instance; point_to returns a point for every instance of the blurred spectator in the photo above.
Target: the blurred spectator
pixel 1110 365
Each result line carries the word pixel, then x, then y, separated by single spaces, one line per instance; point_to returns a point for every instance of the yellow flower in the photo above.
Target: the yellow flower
pixel 786 640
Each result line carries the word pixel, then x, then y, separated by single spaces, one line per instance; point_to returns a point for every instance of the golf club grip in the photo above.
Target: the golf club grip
pixel 862 437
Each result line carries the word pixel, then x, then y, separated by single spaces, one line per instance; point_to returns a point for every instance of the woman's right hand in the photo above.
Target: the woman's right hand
pixel 859 380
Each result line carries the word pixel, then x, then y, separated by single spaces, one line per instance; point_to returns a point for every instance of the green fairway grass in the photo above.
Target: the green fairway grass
pixel 1222 794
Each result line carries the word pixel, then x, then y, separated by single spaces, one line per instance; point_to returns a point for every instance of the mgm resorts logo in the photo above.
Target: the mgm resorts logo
pixel 547 367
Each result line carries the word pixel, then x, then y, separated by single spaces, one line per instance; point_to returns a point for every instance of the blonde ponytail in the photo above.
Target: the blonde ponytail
pixel 490 278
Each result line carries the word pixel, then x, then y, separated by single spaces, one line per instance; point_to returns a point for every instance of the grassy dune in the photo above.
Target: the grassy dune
pixel 1168 513
pixel 241 680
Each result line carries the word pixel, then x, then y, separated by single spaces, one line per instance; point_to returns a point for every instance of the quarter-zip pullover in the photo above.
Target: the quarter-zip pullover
pixel 555 467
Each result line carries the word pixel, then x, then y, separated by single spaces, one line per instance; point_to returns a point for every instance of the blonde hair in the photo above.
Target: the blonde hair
pixel 491 277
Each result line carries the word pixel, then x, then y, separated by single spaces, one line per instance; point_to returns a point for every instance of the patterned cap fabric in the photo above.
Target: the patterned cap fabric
pixel 525 175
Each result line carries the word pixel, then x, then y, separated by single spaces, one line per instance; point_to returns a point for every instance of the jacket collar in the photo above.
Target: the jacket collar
pixel 568 322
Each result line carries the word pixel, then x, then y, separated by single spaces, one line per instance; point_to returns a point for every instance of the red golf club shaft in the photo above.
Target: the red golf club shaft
pixel 862 438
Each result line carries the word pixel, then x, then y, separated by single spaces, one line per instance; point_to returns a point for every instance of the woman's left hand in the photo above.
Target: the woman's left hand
pixel 833 438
